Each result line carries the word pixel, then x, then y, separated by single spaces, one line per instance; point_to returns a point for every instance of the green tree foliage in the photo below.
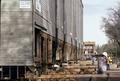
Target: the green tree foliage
pixel 111 48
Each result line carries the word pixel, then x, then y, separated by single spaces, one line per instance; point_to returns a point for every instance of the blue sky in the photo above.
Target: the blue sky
pixel 94 10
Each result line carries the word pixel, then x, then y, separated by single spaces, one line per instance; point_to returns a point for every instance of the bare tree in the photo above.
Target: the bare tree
pixel 111 25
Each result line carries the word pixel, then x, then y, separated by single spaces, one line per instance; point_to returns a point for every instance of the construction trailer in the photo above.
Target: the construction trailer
pixel 36 33
pixel 89 47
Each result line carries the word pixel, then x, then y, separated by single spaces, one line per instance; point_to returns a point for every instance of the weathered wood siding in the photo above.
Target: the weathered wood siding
pixel 46 18
pixel 74 20
pixel 66 16
pixel 73 24
pixel 16 34
pixel 17 28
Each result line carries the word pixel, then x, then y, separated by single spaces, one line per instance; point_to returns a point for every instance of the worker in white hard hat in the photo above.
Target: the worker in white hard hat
pixel 107 60
pixel 105 54
pixel 103 63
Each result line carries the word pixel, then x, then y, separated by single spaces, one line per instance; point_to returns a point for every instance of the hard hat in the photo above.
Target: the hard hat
pixel 56 66
pixel 105 54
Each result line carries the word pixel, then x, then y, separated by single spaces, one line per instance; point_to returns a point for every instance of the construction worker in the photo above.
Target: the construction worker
pixel 109 61
pixel 102 61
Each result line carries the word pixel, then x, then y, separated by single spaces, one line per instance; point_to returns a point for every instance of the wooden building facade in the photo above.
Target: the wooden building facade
pixel 38 32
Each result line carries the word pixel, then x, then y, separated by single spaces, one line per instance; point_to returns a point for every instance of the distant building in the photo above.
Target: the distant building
pixel 89 47
pixel 38 32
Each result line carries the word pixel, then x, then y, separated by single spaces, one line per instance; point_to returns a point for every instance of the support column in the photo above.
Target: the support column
pixel 10 72
pixel 2 72
pixel 17 72
pixel 25 71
